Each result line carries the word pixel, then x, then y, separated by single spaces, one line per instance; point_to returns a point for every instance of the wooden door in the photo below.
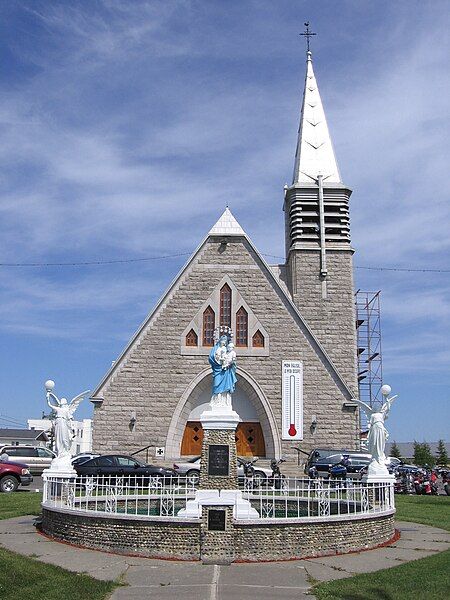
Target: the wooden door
pixel 250 440
pixel 192 439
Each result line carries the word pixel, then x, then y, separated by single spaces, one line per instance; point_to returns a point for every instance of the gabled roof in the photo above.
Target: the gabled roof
pixel 315 154
pixel 237 230
pixel 23 434
pixel 227 225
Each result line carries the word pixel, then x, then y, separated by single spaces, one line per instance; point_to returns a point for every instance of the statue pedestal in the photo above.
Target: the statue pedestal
pixel 60 467
pixel 218 501
pixel 218 463
pixel 377 473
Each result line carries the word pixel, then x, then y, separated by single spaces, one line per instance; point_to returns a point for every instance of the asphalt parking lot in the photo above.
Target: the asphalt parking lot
pixel 36 485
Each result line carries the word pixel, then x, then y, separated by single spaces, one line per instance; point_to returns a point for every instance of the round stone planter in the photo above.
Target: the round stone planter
pixel 252 540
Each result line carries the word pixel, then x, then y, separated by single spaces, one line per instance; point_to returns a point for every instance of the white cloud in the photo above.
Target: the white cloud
pixel 138 125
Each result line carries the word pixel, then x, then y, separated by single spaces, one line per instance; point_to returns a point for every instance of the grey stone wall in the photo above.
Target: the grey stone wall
pixel 332 319
pixel 287 541
pixel 153 376
pixel 216 482
pixel 217 547
pixel 153 538
pixel 192 541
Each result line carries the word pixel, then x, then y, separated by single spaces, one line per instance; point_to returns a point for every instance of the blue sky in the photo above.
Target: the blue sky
pixel 128 126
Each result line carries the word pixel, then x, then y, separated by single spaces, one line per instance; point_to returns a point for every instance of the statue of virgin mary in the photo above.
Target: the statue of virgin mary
pixel 222 359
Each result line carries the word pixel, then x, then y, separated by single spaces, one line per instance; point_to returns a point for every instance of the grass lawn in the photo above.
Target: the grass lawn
pixel 430 510
pixel 427 576
pixel 22 578
pixel 20 503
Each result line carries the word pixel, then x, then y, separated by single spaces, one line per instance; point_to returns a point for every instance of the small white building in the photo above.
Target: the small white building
pixel 82 441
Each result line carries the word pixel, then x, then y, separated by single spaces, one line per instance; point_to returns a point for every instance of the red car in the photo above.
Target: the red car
pixel 12 475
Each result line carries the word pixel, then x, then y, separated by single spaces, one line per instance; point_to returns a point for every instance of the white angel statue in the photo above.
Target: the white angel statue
pixel 64 412
pixel 378 434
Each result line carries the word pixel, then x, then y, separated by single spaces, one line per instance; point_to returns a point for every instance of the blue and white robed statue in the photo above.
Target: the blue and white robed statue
pixel 222 359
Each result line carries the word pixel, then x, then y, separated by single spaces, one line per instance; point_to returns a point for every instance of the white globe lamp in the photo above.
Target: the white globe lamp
pixel 386 389
pixel 49 385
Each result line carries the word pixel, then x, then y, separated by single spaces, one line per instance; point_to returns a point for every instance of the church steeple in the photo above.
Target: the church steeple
pixel 316 203
pixel 319 270
pixel 315 154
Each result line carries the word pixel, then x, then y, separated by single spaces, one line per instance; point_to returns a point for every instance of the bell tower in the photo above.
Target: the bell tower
pixel 317 230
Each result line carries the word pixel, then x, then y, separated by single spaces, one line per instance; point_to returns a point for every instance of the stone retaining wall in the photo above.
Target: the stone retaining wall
pixel 171 538
pixel 176 539
pixel 300 540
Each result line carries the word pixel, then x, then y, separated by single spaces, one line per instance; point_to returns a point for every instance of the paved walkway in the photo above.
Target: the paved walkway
pixel 159 579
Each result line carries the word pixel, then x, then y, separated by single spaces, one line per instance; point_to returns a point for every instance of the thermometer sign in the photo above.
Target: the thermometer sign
pixel 292 400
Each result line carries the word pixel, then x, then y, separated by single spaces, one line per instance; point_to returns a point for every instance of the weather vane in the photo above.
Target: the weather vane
pixel 307 33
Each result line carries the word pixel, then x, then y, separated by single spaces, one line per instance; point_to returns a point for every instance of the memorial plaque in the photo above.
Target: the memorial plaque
pixel 219 460
pixel 216 520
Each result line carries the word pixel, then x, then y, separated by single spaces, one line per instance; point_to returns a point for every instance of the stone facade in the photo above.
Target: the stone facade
pixel 152 378
pixel 243 541
pixel 332 319
pixel 217 482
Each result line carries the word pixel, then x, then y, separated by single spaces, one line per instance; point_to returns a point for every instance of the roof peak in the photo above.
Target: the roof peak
pixel 227 225
pixel 315 154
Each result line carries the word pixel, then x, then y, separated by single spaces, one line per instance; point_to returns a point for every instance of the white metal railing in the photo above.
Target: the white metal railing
pixel 125 495
pixel 290 497
pixel 283 498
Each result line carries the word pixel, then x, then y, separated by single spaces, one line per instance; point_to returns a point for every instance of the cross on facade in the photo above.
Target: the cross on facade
pixel 307 33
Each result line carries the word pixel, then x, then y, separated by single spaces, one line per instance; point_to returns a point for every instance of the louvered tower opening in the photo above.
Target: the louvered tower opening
pixel 304 217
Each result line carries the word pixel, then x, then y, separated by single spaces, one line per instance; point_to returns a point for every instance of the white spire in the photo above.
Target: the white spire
pixel 227 225
pixel 315 154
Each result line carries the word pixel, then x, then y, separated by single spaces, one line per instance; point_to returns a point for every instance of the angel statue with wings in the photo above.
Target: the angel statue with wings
pixel 63 412
pixel 378 434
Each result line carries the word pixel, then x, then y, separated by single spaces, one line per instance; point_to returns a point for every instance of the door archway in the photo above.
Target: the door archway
pixel 257 434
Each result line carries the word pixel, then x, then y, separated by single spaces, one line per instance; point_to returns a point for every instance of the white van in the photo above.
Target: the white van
pixel 37 458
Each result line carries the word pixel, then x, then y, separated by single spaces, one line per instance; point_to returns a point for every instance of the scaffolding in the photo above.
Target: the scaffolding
pixel 370 364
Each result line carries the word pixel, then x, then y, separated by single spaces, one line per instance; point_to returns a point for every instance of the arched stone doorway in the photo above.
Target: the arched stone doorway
pixel 257 434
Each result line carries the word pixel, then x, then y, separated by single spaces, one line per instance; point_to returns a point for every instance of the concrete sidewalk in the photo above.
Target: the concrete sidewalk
pixel 159 579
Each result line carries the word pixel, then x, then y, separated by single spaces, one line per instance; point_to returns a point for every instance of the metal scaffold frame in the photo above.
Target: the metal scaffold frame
pixel 370 362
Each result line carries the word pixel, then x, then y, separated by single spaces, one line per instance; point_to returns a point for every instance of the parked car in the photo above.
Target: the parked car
pixel 392 462
pixel 403 469
pixel 321 460
pixel 191 469
pixel 37 458
pixel 114 465
pixel 13 474
pixel 83 457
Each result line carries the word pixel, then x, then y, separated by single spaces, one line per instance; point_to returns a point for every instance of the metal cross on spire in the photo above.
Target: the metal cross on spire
pixel 307 33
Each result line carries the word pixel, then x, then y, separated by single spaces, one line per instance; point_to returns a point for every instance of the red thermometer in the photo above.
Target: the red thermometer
pixel 292 431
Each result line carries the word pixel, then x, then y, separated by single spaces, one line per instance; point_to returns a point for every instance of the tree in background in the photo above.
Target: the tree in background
pixel 442 455
pixel 395 451
pixel 422 454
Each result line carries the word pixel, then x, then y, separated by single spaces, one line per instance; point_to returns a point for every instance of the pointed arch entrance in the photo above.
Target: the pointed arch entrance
pixel 257 434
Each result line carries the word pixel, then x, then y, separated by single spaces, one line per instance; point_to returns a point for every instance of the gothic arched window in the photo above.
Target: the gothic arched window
pixel 209 322
pixel 258 339
pixel 225 306
pixel 241 327
pixel 192 338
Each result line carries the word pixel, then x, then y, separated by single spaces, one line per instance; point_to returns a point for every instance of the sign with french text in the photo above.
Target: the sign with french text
pixel 292 400
pixel 219 460
pixel 216 520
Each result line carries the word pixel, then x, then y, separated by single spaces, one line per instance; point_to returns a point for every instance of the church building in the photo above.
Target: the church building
pixel 293 326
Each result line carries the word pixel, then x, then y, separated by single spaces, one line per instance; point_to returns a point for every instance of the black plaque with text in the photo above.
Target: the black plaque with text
pixel 216 520
pixel 219 460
